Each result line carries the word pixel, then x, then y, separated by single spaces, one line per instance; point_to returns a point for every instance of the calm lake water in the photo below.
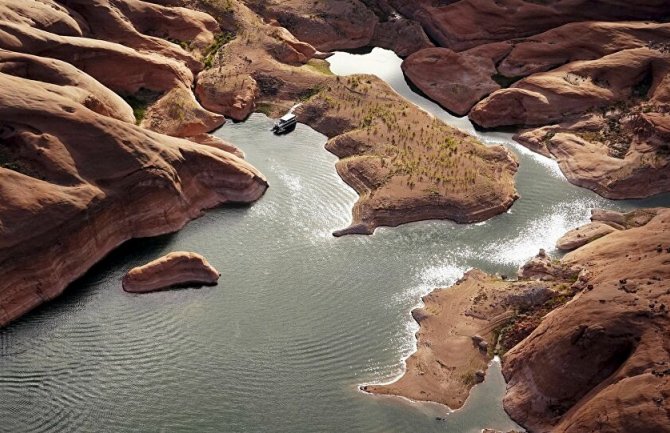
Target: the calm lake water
pixel 299 318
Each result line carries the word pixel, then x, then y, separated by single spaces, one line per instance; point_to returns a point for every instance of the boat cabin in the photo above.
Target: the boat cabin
pixel 286 123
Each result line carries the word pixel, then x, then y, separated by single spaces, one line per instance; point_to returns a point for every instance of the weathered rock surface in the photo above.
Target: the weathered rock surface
pixel 599 363
pixel 67 80
pixel 400 35
pixel 559 46
pixel 346 24
pixel 178 113
pixel 122 22
pixel 584 351
pixel 261 64
pixel 455 81
pixel 619 148
pixel 583 235
pixel 77 176
pixel 618 220
pixel 236 97
pixel 118 67
pixel 338 24
pixel 175 269
pixel 542 267
pixel 219 143
pixel 573 89
pixel 591 81
pixel 126 46
pixel 464 24
pixel 603 222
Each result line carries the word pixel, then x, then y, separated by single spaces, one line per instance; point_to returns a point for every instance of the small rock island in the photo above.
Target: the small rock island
pixel 173 270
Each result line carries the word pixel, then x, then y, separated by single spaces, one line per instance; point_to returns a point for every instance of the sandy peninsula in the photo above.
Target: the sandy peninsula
pixel 405 165
pixel 578 336
pixel 586 81
pixel 463 326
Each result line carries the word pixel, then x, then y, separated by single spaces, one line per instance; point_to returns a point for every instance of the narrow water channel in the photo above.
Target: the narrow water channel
pixel 299 318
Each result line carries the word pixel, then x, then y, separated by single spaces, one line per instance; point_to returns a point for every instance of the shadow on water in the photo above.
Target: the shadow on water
pixel 133 252
pixel 85 286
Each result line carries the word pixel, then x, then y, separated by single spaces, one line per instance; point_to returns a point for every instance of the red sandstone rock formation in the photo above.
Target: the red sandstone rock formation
pixel 63 78
pixel 583 235
pixel 586 336
pixel 346 24
pixel 600 363
pixel 77 176
pixel 175 269
pixel 596 93
pixel 463 24
pixel 76 184
pixel 455 81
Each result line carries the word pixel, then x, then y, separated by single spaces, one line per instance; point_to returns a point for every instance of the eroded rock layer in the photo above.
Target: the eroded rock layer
pixel 590 81
pixel 174 269
pixel 601 362
pixel 77 176
pixel 405 165
pixel 584 339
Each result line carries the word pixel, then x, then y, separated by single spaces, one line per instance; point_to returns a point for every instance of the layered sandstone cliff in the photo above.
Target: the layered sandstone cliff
pixel 77 176
pixel 591 82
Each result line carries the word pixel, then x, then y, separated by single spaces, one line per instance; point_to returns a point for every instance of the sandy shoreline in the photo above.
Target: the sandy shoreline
pixel 462 327
pixel 458 329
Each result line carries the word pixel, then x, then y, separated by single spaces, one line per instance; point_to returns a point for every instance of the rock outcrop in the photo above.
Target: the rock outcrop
pixel 455 81
pixel 65 79
pixel 590 81
pixel 346 24
pixel 179 114
pixel 405 165
pixel 464 24
pixel 326 25
pixel 583 235
pixel 173 270
pixel 583 340
pixel 77 176
pixel 260 64
pixel 600 362
pixel 603 222
pixel 459 327
pixel 128 46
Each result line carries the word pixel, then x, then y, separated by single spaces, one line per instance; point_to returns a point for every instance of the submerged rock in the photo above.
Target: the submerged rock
pixel 174 269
